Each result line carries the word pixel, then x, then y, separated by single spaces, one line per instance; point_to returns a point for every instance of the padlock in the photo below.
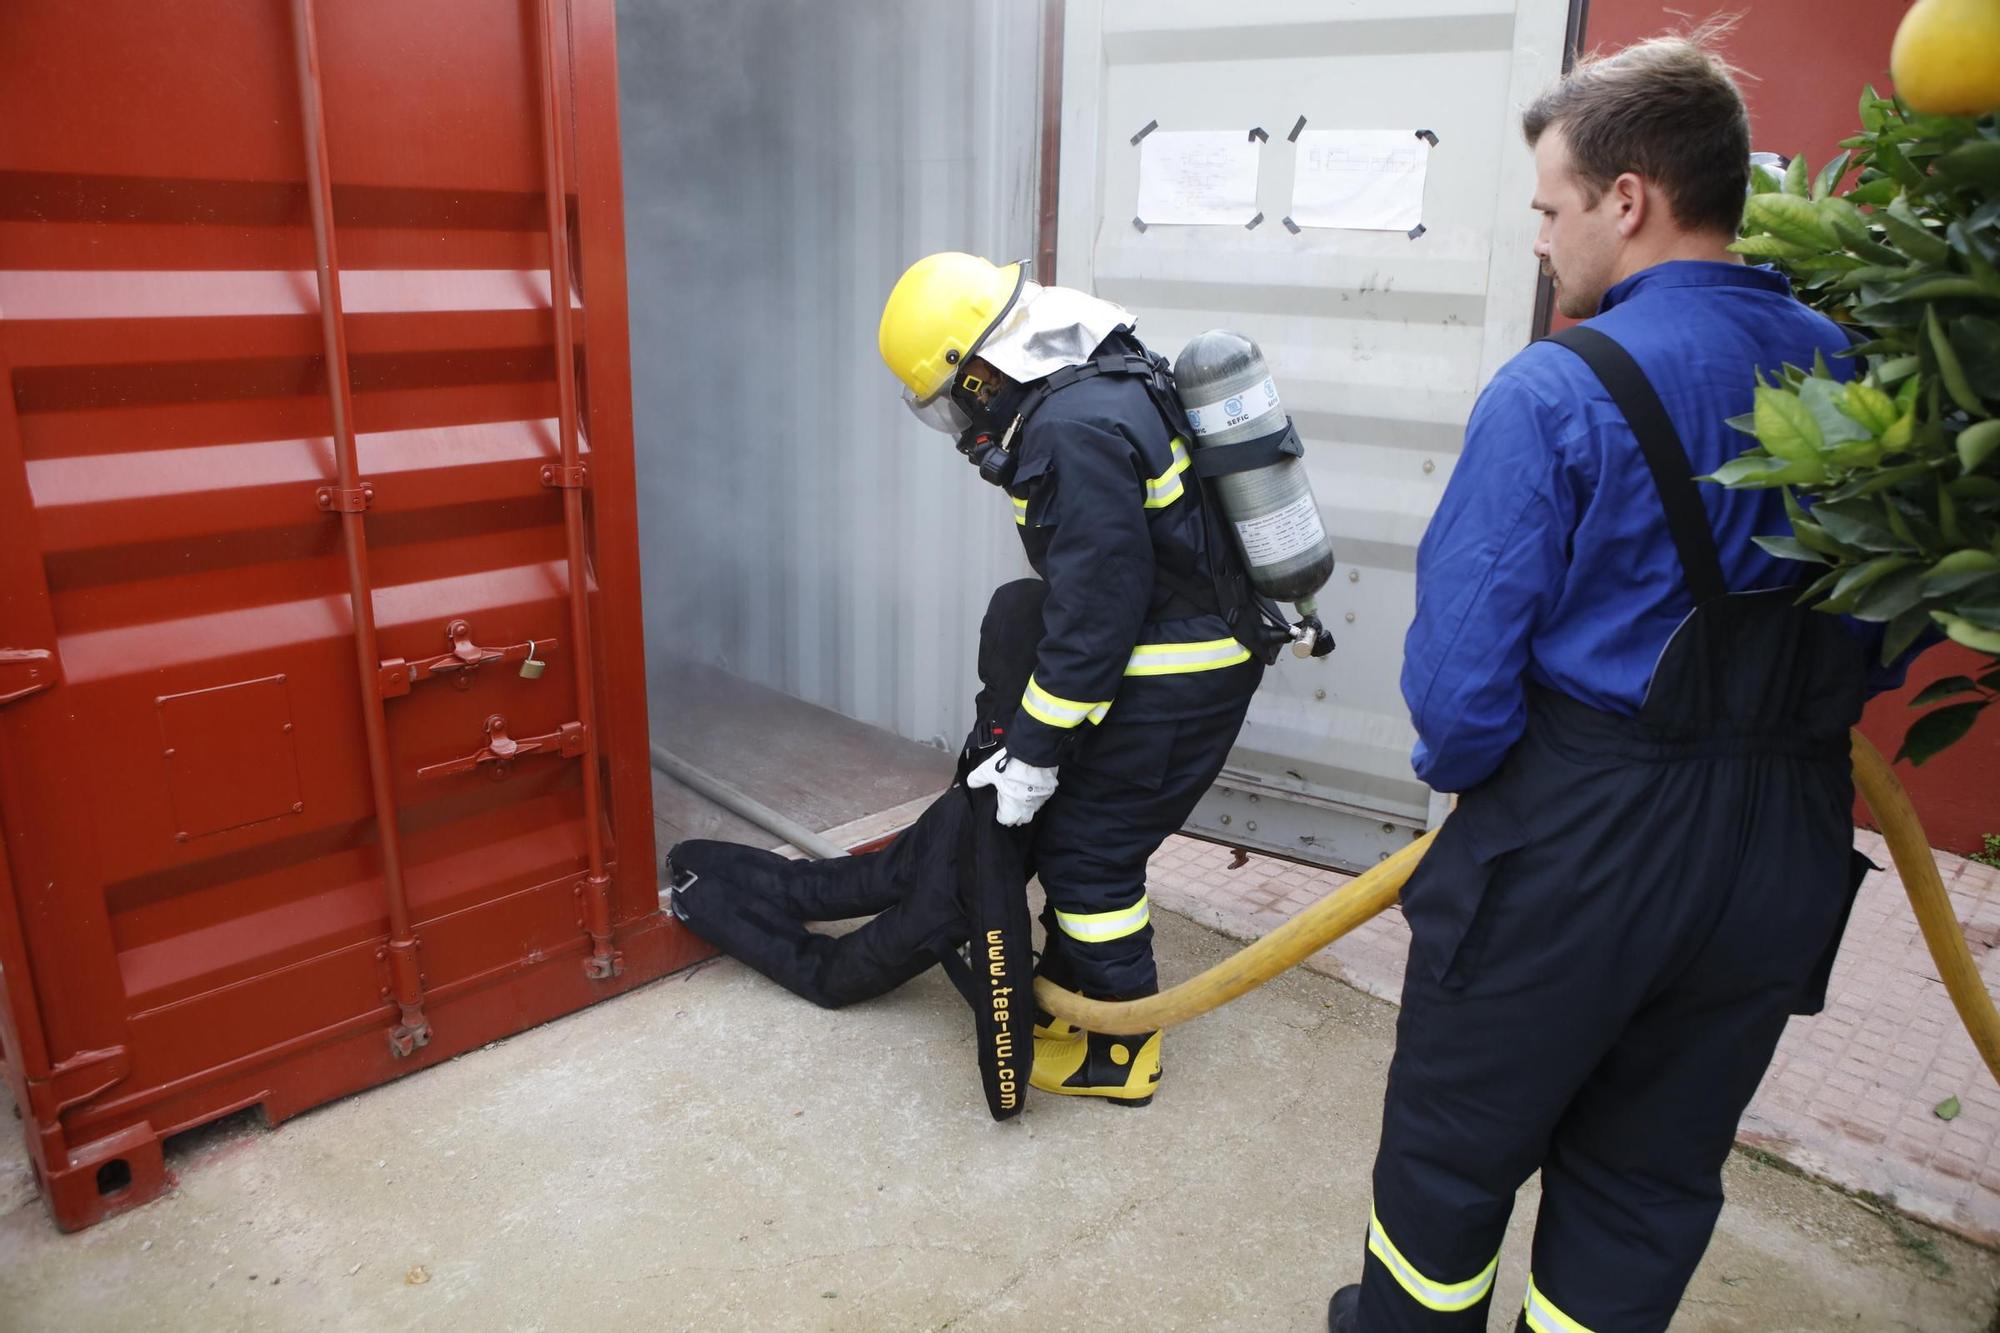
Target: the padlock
pixel 530 668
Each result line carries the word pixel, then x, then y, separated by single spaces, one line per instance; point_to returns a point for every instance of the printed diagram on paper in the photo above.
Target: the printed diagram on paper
pixel 1197 178
pixel 1367 180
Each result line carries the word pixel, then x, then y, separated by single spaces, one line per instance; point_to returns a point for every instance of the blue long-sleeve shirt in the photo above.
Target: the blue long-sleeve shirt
pixel 1548 560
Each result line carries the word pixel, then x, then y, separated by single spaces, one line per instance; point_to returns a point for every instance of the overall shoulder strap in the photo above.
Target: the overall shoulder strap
pixel 1666 458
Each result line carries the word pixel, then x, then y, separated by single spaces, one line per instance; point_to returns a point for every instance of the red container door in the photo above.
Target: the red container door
pixel 322 713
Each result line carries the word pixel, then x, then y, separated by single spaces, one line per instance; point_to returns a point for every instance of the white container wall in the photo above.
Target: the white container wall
pixel 1379 342
pixel 784 161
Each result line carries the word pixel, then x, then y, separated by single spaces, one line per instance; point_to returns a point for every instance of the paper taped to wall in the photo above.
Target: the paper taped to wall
pixel 1370 180
pixel 1197 178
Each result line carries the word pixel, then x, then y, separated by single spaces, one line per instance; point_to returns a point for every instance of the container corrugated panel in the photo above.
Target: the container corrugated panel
pixel 784 162
pixel 1379 343
pixel 195 917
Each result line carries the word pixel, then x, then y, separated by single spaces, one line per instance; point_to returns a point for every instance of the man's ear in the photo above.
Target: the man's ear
pixel 1633 197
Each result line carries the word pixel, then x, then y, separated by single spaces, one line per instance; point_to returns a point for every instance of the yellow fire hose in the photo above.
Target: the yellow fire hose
pixel 1375 890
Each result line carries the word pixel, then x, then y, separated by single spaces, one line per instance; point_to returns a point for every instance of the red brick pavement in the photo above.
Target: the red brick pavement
pixel 1851 1094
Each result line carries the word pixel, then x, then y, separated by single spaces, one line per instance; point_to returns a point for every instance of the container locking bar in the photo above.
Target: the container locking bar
pixel 399 676
pixel 501 750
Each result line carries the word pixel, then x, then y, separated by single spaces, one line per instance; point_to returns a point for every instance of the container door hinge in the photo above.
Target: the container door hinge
pixel 336 500
pixel 25 671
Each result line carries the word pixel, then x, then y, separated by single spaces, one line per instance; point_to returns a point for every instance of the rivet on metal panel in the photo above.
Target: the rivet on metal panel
pixel 288 728
pixel 1350 617
pixel 298 807
pixel 182 836
pixel 1388 828
pixel 1225 819
pixel 1430 466
pixel 1319 694
pixel 1251 825
pixel 168 752
pixel 1354 576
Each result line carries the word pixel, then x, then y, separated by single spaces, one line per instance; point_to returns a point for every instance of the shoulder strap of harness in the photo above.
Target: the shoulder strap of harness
pixel 1227 591
pixel 1666 457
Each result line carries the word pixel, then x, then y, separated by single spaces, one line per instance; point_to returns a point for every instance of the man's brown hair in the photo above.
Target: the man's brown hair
pixel 1667 109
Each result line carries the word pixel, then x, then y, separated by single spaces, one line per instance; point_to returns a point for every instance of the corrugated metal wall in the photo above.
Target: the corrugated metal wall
pixel 784 161
pixel 1379 342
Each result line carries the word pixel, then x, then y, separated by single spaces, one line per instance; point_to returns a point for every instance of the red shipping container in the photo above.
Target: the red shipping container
pixel 323 749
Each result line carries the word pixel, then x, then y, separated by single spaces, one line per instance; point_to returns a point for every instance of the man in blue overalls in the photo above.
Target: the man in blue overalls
pixel 1650 862
pixel 1140 683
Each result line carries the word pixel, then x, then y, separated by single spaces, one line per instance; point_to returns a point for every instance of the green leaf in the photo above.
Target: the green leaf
pixel 1904 631
pixel 1911 236
pixel 1949 369
pixel 1747 423
pixel 1963 631
pixel 1823 398
pixel 1897 369
pixel 1897 438
pixel 1872 118
pixel 1863 402
pixel 1977 443
pixel 1889 597
pixel 1808 533
pixel 1830 175
pixel 1796 175
pixel 1790 548
pixel 1943 287
pixel 1763 180
pixel 1936 731
pixel 1960 570
pixel 1946 1109
pixel 1975 163
pixel 1860 578
pixel 1857 524
pixel 1875 193
pixel 1787 426
pixel 1890 158
pixel 1945 689
pixel 1771 247
pixel 1976 489
pixel 1793 219
pixel 1914 532
pixel 1976 339
pixel 1758 472
pixel 1948 524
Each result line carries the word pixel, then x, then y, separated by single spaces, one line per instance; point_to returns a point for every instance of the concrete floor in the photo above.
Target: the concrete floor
pixel 710 1153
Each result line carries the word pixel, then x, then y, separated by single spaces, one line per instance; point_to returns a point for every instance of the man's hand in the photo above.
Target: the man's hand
pixel 1022 788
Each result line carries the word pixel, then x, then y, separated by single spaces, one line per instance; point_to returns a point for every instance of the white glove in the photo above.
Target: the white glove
pixel 1022 788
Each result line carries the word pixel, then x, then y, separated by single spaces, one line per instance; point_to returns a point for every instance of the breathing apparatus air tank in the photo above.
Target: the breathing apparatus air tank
pixel 1246 446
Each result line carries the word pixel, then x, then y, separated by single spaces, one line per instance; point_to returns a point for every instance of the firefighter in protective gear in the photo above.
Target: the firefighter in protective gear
pixel 1139 686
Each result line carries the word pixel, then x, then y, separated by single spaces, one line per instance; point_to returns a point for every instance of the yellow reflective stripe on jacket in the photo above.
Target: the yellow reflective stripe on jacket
pixel 1166 488
pixel 1099 927
pixel 1543 1317
pixel 1448 1297
pixel 1020 511
pixel 1057 711
pixel 1175 659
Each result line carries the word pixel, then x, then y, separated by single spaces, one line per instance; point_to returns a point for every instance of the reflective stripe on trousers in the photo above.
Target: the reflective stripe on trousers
pixel 1447 1297
pixel 1103 927
pixel 1543 1316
